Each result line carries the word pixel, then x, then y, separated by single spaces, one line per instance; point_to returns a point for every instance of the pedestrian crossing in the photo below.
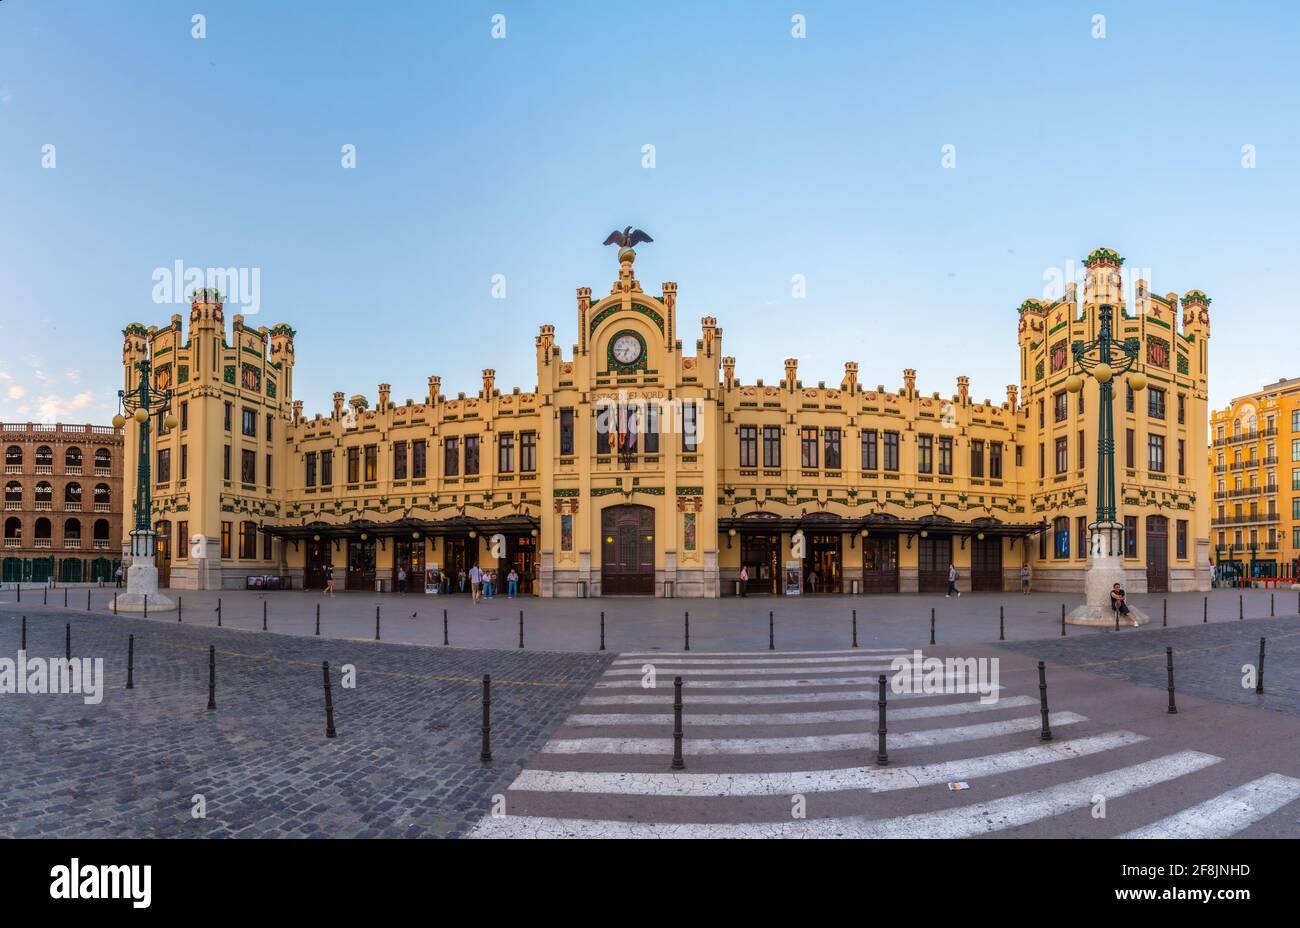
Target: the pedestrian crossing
pixel 784 745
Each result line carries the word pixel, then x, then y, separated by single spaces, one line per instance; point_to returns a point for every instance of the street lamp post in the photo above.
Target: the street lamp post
pixel 142 576
pixel 1104 359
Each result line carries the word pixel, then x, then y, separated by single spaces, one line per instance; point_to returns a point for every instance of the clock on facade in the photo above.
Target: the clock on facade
pixel 626 349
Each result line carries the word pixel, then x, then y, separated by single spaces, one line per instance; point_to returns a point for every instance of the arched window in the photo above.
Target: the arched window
pixel 72 533
pixel 101 496
pixel 14 492
pixel 103 461
pixel 14 457
pixel 13 530
pixel 72 496
pixel 43 530
pixel 44 495
pixel 44 457
pixel 72 461
pixel 101 533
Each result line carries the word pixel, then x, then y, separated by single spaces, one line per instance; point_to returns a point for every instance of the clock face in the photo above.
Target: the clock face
pixel 627 349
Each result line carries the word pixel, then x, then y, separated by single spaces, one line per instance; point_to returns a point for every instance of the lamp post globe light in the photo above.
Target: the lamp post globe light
pixel 142 576
pixel 1104 360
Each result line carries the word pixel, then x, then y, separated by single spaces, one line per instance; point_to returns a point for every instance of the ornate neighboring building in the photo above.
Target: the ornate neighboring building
pixel 643 465
pixel 63 502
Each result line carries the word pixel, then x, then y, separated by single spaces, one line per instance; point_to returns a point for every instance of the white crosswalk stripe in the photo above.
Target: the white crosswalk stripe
pixel 664 680
pixel 962 822
pixel 770 671
pixel 1227 813
pixel 751 655
pixel 754 662
pixel 664 696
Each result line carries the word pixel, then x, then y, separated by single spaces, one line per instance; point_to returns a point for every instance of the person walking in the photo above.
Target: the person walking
pixel 512 584
pixel 812 580
pixel 117 576
pixel 952 581
pixel 460 579
pixel 744 579
pixel 475 583
pixel 401 579
pixel 1024 578
pixel 329 579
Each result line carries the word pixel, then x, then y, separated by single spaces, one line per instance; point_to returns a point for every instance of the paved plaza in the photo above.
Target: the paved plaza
pixel 776 743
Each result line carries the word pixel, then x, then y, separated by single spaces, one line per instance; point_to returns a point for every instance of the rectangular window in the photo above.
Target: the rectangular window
pixel 1080 395
pixel 1295 422
pixel 1128 397
pixel 182 540
pixel 185 462
pixel 471 455
pixel 831 448
pixel 310 476
pixel 185 415
pixel 164 468
pixel 268 472
pixel 925 454
pixel 748 446
pixel 1062 455
pixel 354 465
pixel 977 457
pixel 228 415
pixel 1182 453
pixel 1061 536
pixel 1081 536
pixel 1020 455
pixel 1041 420
pixel 891 451
pixel 566 431
pixel 1042 460
pixel 650 440
pixel 945 455
pixel 451 457
pixel 1129 448
pixel 248 465
pixel 225 540
pixel 605 425
pixel 1155 403
pixel 869 449
pixel 268 550
pixel 372 463
pixel 772 446
pixel 225 462
pixel 1082 451
pixel 1060 406
pixel 995 460
pixel 248 540
pixel 527 452
pixel 249 423
pixel 808 447
pixel 269 420
pixel 566 533
pixel 690 423
pixel 1180 539
pixel 505 453
pixel 1156 453
pixel 1295 449
pixel 1182 408
pixel 1130 536
pixel 327 468
pixel 419 459
pixel 399 460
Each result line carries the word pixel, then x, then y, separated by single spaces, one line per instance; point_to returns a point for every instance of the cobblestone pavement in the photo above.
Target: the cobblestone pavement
pixel 1208 659
pixel 642 623
pixel 405 762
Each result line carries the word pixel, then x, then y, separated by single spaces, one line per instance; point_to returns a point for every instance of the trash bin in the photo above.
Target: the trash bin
pixel 668 589
pixel 381 586
pixel 582 589
pixel 855 586
pixel 736 591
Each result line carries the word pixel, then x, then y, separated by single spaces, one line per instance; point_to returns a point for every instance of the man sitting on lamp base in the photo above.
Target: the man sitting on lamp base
pixel 1117 602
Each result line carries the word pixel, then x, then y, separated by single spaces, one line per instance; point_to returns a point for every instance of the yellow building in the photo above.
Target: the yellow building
pixel 640 465
pixel 1254 460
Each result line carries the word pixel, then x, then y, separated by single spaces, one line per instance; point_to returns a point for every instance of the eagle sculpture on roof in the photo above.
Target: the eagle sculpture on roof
pixel 628 238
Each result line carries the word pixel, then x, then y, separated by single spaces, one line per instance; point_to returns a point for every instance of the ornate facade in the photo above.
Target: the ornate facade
pixel 643 465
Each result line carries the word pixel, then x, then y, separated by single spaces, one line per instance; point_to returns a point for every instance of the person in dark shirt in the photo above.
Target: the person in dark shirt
pixel 1119 605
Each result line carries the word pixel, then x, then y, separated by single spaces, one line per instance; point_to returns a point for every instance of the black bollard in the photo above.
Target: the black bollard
pixel 1002 623
pixel 1241 607
pixel 602 631
pixel 855 628
pixel 485 755
pixel 130 662
pixel 115 602
pixel 376 623
pixel 180 607
pixel 1205 609
pixel 1164 613
pixel 1271 597
pixel 67 641
pixel 19 587
pixel 771 632
pixel 932 625
pixel 1063 620
pixel 146 599
pixel 521 628
pixel 24 643
pixel 1042 701
pixel 329 702
pixel 146 605
pixel 882 755
pixel 318 620
pixel 1169 666
pixel 678 762
pixel 444 627
pixel 264 617
pixel 45 596
pixel 212 676
pixel 1259 676
pixel 65 597
pixel 218 612
pixel 688 631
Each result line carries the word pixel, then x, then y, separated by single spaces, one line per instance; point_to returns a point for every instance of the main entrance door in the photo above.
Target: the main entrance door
pixel 361 564
pixel 761 554
pixel 627 550
pixel 318 559
pixel 521 554
pixel 163 552
pixel 409 556
pixel 986 564
pixel 880 564
pixel 935 554
pixel 824 558
pixel 1157 554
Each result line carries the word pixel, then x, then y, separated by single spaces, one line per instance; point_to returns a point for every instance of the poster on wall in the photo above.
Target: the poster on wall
pixel 793 578
pixel 431 579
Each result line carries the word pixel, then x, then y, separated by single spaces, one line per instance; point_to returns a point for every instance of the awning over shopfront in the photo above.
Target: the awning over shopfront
pixel 406 528
pixel 762 523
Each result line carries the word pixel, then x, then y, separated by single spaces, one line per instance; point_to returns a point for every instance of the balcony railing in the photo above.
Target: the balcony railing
pixel 42 543
pixel 103 507
pixel 43 505
pixel 72 507
pixel 1248 520
pixel 73 470
pixel 13 468
pixel 44 468
pixel 13 505
pixel 101 544
pixel 72 542
pixel 13 542
pixel 103 471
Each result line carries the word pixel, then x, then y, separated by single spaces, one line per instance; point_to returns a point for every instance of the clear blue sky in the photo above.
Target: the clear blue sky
pixel 774 157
